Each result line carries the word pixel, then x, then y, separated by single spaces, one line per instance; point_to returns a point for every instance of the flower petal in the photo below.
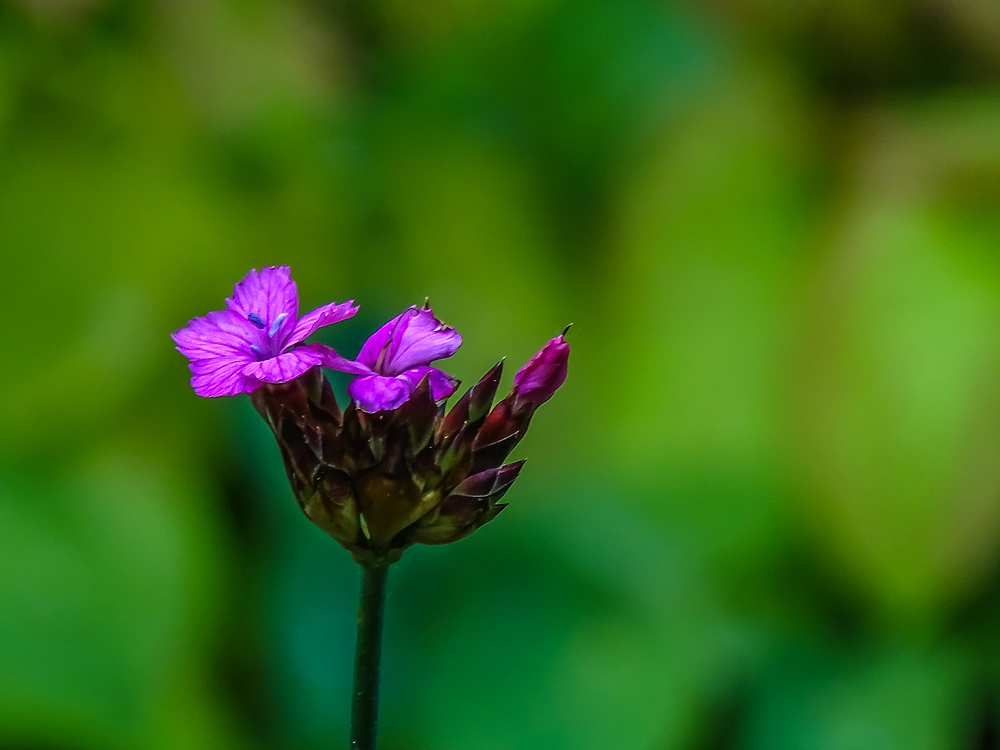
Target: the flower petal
pixel 442 384
pixel 341 364
pixel 268 294
pixel 218 347
pixel 374 393
pixel 284 367
pixel 321 316
pixel 378 343
pixel 219 334
pixel 221 376
pixel 420 339
pixel 413 338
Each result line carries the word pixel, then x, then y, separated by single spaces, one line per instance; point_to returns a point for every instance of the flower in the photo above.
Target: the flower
pixel 381 482
pixel 397 357
pixel 258 338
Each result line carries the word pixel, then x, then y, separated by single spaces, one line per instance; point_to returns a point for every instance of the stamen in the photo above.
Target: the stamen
pixel 276 324
pixel 255 319
pixel 255 349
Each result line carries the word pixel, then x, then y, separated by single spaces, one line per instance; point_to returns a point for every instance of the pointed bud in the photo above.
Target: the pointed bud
pixel 545 372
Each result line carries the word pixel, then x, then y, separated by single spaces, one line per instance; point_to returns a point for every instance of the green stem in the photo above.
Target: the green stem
pixel 364 706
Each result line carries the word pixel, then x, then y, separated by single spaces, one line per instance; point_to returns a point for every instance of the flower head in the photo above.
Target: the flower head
pixel 394 468
pixel 258 337
pixel 397 357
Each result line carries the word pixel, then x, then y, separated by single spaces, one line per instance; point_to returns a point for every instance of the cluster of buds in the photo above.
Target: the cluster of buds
pixel 393 468
pixel 379 482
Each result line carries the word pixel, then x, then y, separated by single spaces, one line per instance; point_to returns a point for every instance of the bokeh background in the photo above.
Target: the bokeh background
pixel 764 511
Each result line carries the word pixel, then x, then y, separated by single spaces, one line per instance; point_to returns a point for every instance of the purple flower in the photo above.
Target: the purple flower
pixel 545 372
pixel 397 357
pixel 257 338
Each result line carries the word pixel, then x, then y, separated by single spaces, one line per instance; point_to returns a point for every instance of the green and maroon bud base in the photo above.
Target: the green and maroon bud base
pixel 378 483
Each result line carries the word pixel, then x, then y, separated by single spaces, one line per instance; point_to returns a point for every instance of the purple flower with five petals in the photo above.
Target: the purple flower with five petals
pixel 258 338
pixel 397 357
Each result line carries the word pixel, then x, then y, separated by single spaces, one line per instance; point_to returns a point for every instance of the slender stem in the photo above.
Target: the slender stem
pixel 364 706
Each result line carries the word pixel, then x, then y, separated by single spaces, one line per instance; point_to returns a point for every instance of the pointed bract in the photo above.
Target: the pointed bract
pixel 483 392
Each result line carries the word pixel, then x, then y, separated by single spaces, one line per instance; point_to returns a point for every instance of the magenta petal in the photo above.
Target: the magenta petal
pixel 442 384
pixel 268 294
pixel 221 377
pixel 321 316
pixel 284 367
pixel 419 339
pixel 414 337
pixel 218 334
pixel 336 362
pixel 378 343
pixel 544 373
pixel 218 347
pixel 374 393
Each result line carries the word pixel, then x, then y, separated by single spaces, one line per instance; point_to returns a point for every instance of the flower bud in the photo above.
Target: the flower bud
pixel 545 372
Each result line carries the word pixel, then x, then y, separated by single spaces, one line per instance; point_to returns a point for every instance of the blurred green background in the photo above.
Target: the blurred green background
pixel 764 511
